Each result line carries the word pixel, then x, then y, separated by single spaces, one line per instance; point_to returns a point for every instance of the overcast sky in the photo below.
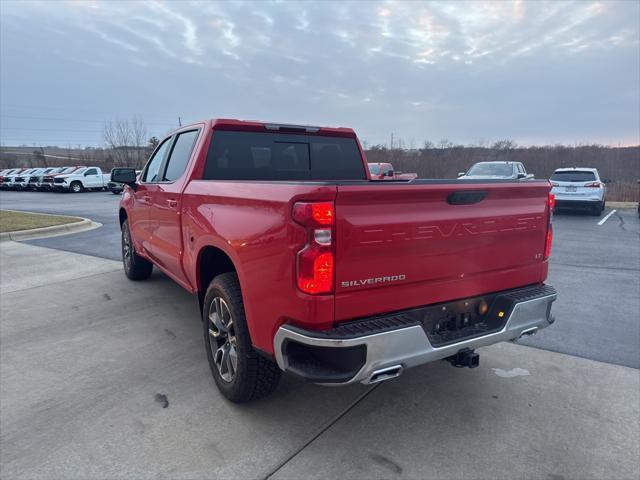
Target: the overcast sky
pixel 534 72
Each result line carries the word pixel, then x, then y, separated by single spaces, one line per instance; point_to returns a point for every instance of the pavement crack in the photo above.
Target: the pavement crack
pixel 620 221
pixel 319 432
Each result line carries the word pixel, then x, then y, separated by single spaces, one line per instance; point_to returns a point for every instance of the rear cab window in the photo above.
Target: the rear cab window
pixel 180 155
pixel 237 155
pixel 574 176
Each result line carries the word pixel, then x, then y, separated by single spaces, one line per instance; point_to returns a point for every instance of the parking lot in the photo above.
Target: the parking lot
pixel 106 378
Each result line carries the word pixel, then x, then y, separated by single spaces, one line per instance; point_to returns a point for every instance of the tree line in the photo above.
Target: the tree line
pixel 127 144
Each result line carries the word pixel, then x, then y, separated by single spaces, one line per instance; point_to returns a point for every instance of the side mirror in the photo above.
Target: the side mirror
pixel 606 180
pixel 388 173
pixel 124 175
pixel 522 175
pixel 461 174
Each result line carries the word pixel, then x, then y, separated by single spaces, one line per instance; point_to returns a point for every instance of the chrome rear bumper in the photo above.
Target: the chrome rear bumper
pixel 387 353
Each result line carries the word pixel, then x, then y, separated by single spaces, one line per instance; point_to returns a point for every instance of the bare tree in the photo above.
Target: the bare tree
pixel 139 137
pixel 127 140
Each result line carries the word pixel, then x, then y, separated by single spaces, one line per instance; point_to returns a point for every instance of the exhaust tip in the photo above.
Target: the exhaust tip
pixel 385 374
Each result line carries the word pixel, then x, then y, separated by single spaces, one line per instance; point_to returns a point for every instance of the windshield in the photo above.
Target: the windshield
pixel 497 169
pixel 574 176
pixel 374 169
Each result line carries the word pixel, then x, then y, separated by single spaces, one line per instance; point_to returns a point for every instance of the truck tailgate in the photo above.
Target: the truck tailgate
pixel 400 246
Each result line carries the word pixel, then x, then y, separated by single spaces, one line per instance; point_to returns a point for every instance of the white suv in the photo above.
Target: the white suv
pixel 579 188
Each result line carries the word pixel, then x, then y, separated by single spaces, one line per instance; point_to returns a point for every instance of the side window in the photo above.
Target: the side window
pixel 180 155
pixel 152 171
pixel 91 171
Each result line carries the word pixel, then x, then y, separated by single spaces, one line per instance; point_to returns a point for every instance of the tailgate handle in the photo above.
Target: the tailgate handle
pixel 466 198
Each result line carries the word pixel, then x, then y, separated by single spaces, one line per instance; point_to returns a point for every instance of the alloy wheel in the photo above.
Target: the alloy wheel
pixel 222 339
pixel 126 247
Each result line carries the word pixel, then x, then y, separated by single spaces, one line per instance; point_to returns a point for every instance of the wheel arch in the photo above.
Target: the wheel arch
pixel 211 261
pixel 122 216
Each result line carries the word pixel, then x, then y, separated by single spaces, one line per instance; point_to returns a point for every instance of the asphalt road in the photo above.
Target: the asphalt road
pixel 595 268
pixel 98 206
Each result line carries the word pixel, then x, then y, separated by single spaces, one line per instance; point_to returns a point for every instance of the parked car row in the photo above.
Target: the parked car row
pixel 73 179
pixel 576 187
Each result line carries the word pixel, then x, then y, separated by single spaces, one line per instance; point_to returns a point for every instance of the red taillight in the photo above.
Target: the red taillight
pixel 552 202
pixel 549 241
pixel 593 185
pixel 315 271
pixel 315 262
pixel 313 214
pixel 322 213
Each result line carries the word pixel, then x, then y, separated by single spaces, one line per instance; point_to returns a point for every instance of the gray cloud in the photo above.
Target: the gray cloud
pixel 536 72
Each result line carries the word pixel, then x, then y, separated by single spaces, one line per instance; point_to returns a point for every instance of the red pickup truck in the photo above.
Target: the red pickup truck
pixel 302 264
pixel 385 171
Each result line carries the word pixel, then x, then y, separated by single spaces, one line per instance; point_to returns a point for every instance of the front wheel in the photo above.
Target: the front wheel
pixel 75 187
pixel 135 267
pixel 240 373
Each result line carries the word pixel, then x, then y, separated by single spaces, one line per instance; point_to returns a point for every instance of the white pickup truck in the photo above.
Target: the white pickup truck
pixel 88 178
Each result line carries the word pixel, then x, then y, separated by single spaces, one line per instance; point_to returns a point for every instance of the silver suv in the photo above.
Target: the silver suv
pixel 579 188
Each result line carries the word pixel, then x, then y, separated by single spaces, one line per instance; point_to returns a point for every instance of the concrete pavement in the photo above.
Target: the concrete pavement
pixel 101 377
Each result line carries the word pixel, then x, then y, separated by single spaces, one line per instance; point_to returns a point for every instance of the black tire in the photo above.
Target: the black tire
pixel 253 376
pixel 135 267
pixel 75 187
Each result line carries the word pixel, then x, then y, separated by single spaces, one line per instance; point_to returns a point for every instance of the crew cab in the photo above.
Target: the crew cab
pixel 385 171
pixel 301 263
pixel 496 170
pixel 86 178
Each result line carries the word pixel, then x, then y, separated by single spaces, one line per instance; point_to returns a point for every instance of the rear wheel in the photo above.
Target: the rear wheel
pixel 598 209
pixel 135 267
pixel 240 373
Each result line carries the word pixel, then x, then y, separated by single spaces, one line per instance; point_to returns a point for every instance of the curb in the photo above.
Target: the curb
pixel 54 231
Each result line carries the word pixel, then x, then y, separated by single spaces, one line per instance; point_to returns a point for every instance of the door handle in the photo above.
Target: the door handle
pixel 172 203
pixel 146 198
